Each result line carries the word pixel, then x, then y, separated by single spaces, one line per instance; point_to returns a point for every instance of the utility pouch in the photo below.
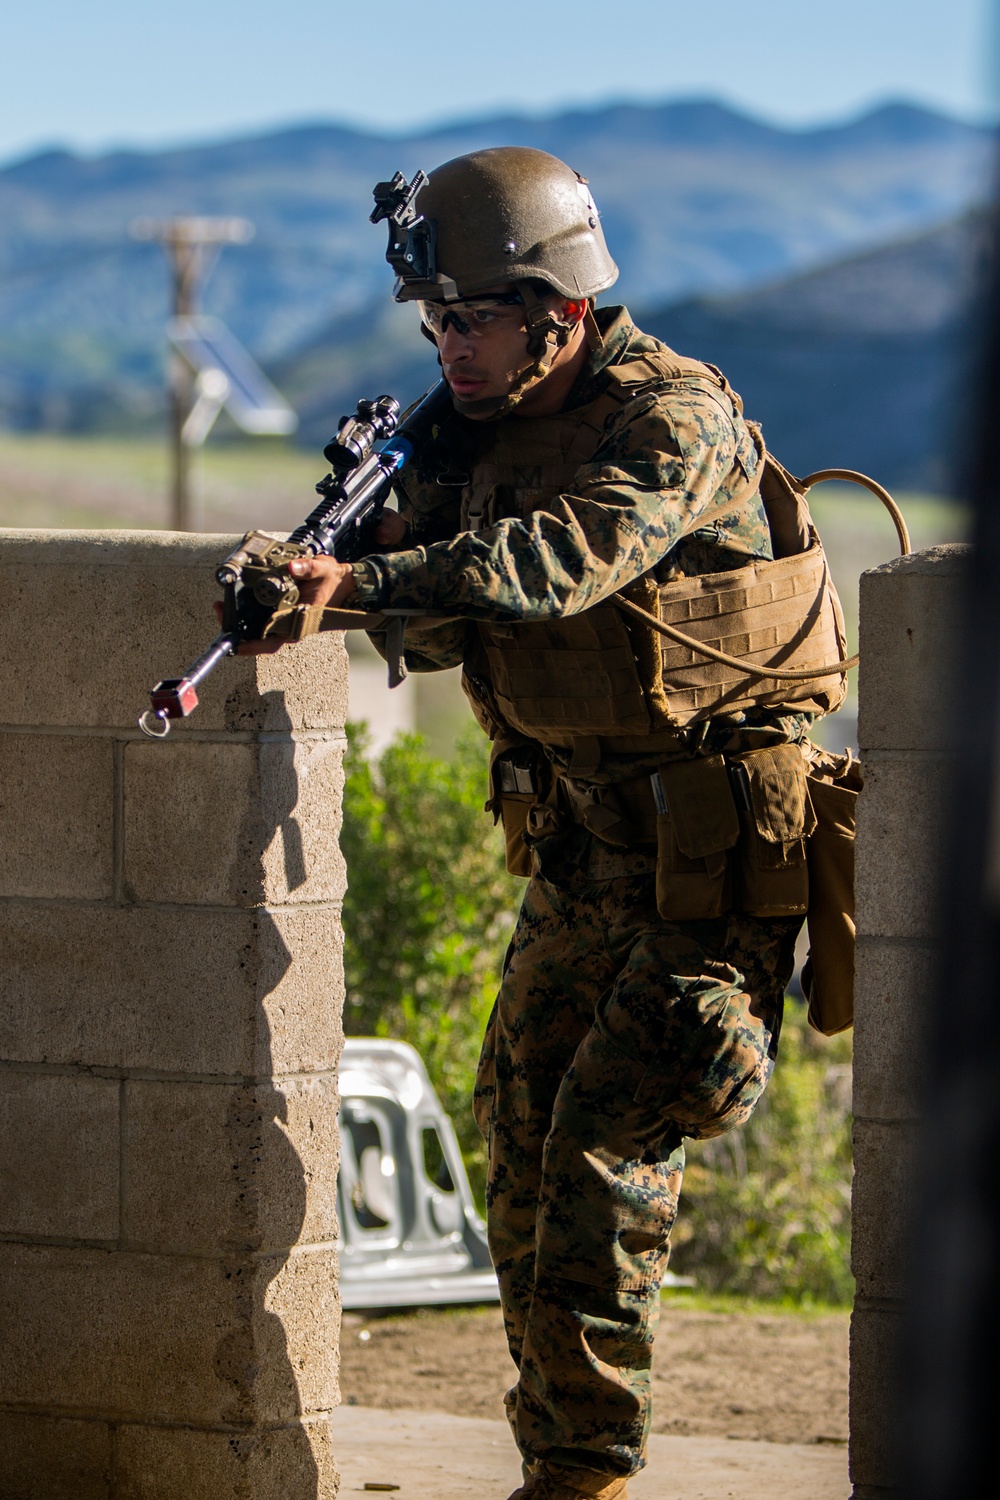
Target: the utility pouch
pixel 828 973
pixel 771 875
pixel 696 824
pixel 515 788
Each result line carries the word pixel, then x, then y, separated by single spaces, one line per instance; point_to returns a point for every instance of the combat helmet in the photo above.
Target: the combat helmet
pixel 507 214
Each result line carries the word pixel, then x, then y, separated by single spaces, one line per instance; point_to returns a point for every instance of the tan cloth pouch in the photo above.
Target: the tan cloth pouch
pixel 771 876
pixel 697 823
pixel 828 973
pixel 515 778
pixel 514 809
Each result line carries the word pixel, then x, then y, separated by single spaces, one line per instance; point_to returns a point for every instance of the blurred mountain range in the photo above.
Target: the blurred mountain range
pixel 860 365
pixel 701 204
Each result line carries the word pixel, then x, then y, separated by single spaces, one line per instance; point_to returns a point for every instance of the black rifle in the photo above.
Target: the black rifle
pixel 255 578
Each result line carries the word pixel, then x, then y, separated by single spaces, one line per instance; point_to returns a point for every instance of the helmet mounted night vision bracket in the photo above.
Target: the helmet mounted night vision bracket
pixel 412 239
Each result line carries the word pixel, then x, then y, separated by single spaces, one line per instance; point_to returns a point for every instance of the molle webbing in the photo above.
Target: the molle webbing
pixel 602 676
pixel 782 614
pixel 561 678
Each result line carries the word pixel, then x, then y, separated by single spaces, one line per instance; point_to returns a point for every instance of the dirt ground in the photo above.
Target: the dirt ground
pixel 780 1377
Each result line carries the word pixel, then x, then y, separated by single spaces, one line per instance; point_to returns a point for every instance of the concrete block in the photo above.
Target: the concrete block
pixel 155 1338
pixel 910 610
pixel 128 583
pixel 107 597
pixel 192 827
pixel 208 1167
pixel 898 839
pixel 180 1337
pixel 233 824
pixel 51 1458
pixel 882 1203
pixel 59 1172
pixel 200 992
pixel 300 687
pixel 304 1300
pixel 287 1463
pixel 875 1353
pixel 302 791
pixel 301 1027
pixel 56 814
pixel 892 989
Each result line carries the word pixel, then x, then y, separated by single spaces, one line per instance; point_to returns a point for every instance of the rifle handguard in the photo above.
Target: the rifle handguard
pixel 260 595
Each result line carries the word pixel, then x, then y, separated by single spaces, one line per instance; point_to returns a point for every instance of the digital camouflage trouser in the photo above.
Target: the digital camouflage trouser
pixel 615 1034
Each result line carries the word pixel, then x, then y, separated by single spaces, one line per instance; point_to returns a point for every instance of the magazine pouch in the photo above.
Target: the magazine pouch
pixel 518 778
pixel 696 825
pixel 771 877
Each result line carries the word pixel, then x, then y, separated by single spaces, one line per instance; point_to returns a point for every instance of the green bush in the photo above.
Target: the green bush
pixel 766 1210
pixel 428 913
pixel 429 910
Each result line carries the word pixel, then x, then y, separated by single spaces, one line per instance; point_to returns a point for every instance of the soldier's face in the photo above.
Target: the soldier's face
pixel 483 344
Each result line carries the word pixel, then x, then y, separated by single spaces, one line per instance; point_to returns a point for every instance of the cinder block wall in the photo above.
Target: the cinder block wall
pixel 170 1007
pixel 909 611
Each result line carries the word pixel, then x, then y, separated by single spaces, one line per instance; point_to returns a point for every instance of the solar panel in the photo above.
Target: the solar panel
pixel 229 377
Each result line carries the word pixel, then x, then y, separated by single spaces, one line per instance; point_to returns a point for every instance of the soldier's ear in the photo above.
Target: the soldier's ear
pixel 574 311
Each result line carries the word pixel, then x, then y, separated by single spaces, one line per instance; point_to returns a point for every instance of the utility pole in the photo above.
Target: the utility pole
pixel 192 246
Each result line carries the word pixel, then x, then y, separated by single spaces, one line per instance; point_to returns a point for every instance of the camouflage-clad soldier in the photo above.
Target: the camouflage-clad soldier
pixel 589 485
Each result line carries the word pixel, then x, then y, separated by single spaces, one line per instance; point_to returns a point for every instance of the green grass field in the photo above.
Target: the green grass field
pixel 48 479
pixel 68 482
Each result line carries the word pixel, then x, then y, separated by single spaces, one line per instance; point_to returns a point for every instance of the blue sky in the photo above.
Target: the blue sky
pixel 111 72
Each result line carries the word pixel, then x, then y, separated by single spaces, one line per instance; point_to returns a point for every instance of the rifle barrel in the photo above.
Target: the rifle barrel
pixel 175 697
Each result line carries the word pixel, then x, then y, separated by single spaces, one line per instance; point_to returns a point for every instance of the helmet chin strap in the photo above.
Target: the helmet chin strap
pixel 546 334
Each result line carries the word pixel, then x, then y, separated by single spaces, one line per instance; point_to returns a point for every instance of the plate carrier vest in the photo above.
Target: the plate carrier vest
pixel 605 673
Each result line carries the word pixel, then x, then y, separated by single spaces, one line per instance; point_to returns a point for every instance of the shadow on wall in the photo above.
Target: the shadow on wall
pixel 268 1199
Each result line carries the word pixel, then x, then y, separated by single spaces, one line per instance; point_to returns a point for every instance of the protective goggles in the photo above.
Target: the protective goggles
pixel 475 318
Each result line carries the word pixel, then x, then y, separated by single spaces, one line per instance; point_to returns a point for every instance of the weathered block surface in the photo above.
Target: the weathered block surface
pixel 176 1338
pixel 155 1463
pixel 885 1178
pixel 899 811
pixel 169 1037
pixel 56 807
pixel 149 597
pixel 909 611
pixel 60 1174
pixel 875 1338
pixel 53 1458
pixel 177 991
pixel 888 1027
pixel 237 1160
pixel 233 824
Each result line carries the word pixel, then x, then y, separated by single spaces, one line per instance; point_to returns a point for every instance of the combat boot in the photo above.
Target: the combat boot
pixel 565 1482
